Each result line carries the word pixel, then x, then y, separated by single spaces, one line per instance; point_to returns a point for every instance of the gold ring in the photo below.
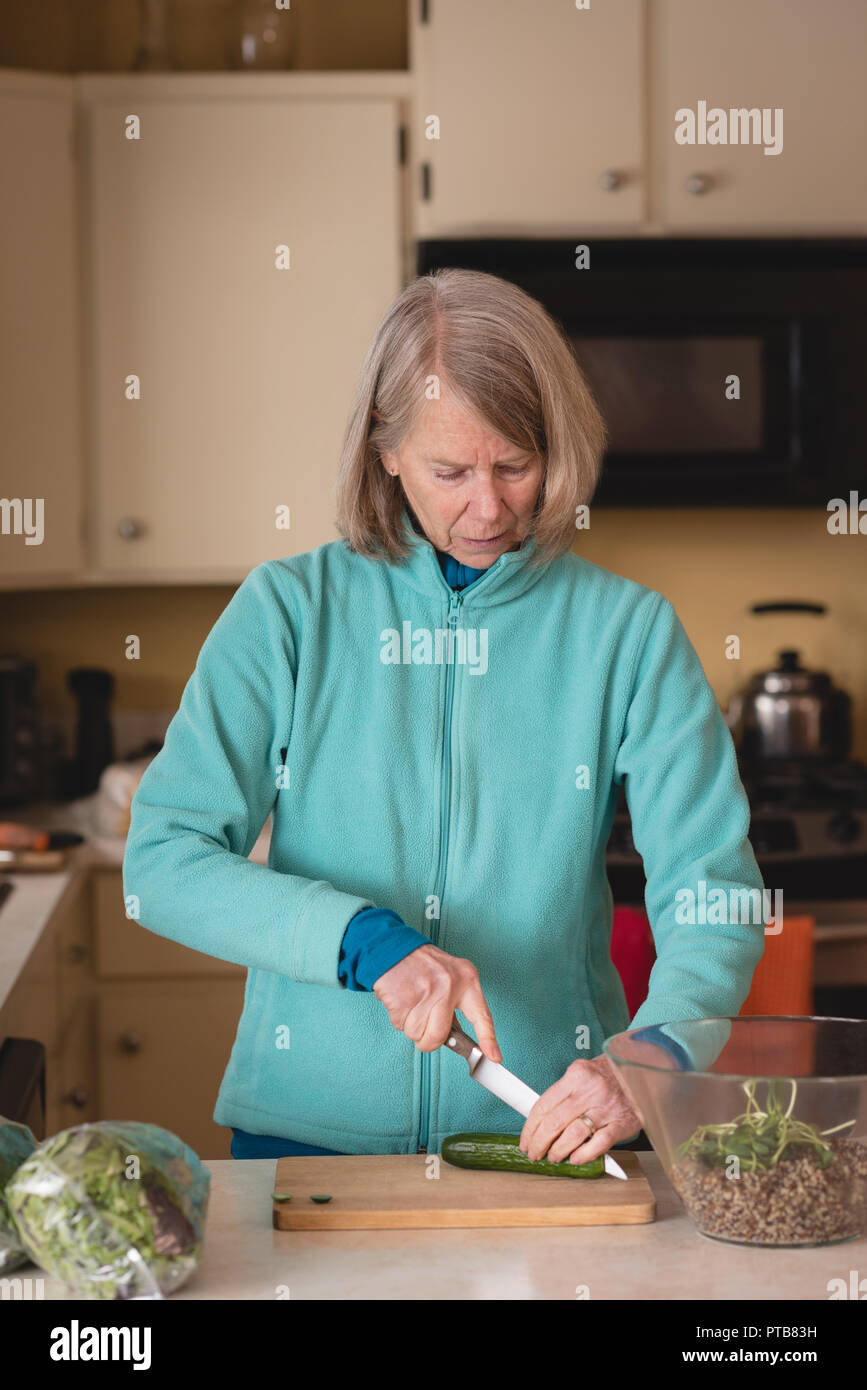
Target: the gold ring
pixel 585 1119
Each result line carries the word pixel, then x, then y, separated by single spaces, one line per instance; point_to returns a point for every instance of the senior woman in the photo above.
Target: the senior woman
pixel 439 712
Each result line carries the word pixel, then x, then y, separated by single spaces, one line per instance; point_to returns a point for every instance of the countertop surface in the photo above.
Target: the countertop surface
pixel 35 896
pixel 26 912
pixel 245 1258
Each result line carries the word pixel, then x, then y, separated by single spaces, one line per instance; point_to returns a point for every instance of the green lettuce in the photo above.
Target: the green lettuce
pixel 17 1142
pixel 115 1210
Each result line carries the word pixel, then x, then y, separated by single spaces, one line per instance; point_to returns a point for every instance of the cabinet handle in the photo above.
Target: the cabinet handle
pixel 129 529
pixel 76 954
pixel 611 179
pixel 131 1042
pixel 78 1097
pixel 699 183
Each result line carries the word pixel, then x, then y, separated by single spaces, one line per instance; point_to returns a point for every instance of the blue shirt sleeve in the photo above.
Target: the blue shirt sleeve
pixel 375 940
pixel 654 1035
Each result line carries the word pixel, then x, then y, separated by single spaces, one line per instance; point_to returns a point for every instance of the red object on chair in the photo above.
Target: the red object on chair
pixel 633 953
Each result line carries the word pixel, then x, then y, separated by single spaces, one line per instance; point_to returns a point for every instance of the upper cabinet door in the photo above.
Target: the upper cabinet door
pixel 762 56
pixel 40 351
pixel 539 112
pixel 221 381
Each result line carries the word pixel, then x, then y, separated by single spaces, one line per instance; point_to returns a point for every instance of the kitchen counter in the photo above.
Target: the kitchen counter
pixel 35 896
pixel 245 1258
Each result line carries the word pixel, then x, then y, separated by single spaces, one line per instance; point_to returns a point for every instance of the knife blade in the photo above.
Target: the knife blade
pixel 505 1085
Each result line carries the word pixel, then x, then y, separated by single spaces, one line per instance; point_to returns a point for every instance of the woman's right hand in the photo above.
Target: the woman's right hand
pixel 422 992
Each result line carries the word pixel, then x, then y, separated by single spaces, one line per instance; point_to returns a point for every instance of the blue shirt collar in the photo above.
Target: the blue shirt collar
pixel 456 574
pixel 507 578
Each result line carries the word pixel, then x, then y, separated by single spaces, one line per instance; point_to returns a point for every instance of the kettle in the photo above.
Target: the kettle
pixel 791 712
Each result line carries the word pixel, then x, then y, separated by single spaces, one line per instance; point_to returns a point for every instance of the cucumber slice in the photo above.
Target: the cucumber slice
pixel 501 1152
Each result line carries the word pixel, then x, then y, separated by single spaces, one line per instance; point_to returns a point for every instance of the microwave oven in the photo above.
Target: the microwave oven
pixel 728 371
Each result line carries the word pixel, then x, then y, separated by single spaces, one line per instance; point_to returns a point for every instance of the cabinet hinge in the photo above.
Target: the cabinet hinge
pixel 401 145
pixel 424 11
pixel 426 183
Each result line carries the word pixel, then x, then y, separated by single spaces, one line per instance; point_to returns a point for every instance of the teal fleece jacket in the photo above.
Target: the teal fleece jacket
pixel 456 757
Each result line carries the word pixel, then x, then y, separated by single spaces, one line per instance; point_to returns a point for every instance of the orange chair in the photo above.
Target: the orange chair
pixel 783 979
pixel 782 982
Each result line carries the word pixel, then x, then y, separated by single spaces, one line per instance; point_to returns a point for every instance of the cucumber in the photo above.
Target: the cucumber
pixel 500 1151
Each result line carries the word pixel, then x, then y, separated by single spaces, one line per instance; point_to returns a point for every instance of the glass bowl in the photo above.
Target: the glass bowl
pixel 760 1122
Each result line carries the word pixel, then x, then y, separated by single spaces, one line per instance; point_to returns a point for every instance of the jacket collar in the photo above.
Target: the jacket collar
pixel 507 578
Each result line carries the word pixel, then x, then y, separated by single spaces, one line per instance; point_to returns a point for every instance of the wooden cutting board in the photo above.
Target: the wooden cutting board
pixel 393 1191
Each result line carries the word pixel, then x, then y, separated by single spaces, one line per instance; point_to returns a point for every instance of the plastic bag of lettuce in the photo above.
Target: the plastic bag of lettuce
pixel 115 1209
pixel 17 1142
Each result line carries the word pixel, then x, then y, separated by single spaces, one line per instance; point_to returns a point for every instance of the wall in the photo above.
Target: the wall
pixel 710 564
pixel 713 564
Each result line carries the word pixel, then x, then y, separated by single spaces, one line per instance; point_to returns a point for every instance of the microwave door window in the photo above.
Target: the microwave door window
pixel 670 396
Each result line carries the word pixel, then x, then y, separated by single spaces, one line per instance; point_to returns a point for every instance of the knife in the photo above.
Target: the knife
pixel 504 1084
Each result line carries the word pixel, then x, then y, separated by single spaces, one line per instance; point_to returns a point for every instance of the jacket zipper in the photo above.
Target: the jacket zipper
pixel 439 886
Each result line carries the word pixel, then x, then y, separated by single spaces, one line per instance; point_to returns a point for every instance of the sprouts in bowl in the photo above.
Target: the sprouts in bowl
pixel 760 1123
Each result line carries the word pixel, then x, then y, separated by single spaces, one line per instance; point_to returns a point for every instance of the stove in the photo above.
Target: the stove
pixel 800 809
pixel 808 830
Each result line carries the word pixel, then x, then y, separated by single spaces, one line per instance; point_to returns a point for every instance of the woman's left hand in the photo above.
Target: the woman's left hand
pixel 554 1128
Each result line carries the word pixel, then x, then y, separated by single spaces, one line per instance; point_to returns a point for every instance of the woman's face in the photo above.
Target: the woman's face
pixel 473 493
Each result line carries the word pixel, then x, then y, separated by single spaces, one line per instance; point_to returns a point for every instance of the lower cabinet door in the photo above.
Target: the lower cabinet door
pixel 161 1053
pixel 71 1088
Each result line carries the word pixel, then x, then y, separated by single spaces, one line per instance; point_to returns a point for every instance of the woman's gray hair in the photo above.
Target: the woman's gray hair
pixel 498 352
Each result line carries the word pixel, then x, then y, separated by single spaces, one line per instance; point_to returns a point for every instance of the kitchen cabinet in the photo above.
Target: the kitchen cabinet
pixel 173 399
pixel 32 1011
pixel 163 1047
pixel 124 949
pixel 557 121
pixel 51 1003
pixel 541 117
pixel 72 1086
pixel 224 366
pixel 807 60
pixel 40 359
pixel 72 927
pixel 166 1022
pixel 134 1026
